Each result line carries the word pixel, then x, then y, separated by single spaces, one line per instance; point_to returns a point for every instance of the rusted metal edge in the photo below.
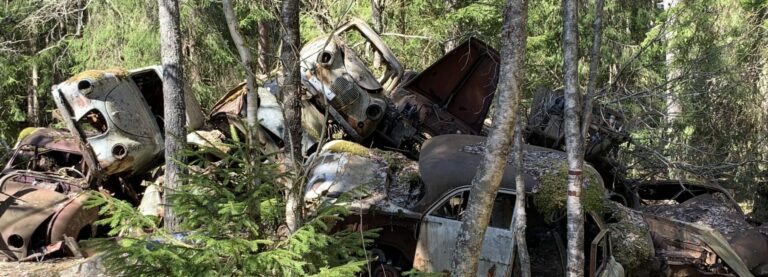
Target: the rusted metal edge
pixel 94 169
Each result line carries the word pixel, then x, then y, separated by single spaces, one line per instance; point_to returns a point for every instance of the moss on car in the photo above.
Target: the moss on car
pixel 553 185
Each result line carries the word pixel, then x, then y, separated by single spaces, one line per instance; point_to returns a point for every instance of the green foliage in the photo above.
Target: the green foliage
pixel 24 46
pixel 718 52
pixel 716 64
pixel 233 209
pixel 119 34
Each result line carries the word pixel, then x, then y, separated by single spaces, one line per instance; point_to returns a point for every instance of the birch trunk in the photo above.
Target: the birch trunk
pixel 573 140
pixel 519 220
pixel 173 102
pixel 251 99
pixel 291 97
pixel 33 104
pixel 376 8
pixel 450 43
pixel 594 62
pixel 671 97
pixel 486 182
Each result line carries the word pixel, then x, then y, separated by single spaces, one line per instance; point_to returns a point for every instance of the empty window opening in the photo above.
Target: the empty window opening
pixel 92 124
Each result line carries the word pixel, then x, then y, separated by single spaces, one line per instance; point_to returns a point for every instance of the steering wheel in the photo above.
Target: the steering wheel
pixel 66 170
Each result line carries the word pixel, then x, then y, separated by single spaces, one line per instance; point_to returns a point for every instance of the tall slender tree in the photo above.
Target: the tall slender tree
pixel 672 98
pixel 519 220
pixel 594 61
pixel 450 6
pixel 486 182
pixel 33 103
pixel 291 96
pixel 376 9
pixel 173 101
pixel 674 107
pixel 246 61
pixel 574 142
pixel 265 51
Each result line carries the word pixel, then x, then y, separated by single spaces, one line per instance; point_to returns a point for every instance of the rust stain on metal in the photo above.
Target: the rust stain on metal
pixel 458 88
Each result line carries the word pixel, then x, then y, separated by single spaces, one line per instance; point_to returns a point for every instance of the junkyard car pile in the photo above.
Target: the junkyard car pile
pixel 427 131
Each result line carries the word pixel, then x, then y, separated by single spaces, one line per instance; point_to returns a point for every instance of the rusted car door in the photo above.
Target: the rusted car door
pixel 440 227
pixel 600 261
pixel 453 95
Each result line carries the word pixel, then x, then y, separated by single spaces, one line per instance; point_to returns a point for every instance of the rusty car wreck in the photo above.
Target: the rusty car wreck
pixel 426 132
pixel 41 199
pixel 419 208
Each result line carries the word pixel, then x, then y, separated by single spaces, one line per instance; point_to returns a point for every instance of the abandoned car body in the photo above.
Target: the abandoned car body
pixel 699 228
pixel 41 199
pixel 333 71
pixel 451 96
pixel 420 217
pixel 116 118
pixel 117 115
pixel 454 94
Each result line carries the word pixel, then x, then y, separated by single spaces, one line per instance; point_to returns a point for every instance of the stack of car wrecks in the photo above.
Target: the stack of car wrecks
pixel 427 132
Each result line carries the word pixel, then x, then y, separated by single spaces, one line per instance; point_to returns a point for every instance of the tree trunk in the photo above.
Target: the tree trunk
pixel 671 96
pixel 574 143
pixel 594 61
pixel 291 97
pixel 672 99
pixel 33 104
pixel 246 61
pixel 518 220
pixel 376 8
pixel 403 27
pixel 486 182
pixel 265 51
pixel 173 101
pixel 450 6
pixel 763 78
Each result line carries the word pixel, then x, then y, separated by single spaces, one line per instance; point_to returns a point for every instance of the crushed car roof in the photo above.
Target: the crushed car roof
pixel 447 162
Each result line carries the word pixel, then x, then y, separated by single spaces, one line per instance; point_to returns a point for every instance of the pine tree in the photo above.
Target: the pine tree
pixel 233 225
pixel 173 103
pixel 289 56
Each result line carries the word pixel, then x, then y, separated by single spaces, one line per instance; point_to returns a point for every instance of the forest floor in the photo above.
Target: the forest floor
pixel 55 267
pixel 30 269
